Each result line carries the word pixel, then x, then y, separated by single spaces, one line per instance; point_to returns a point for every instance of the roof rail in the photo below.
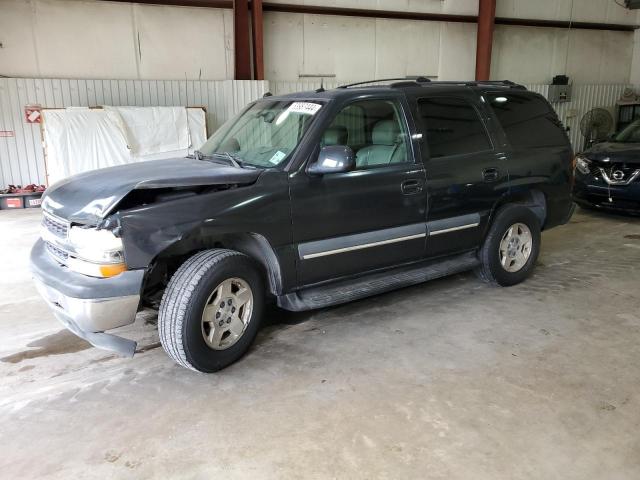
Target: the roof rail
pixel 414 79
pixel 479 83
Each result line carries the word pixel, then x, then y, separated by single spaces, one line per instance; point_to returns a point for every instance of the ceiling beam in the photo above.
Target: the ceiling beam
pixel 440 17
pixel 391 14
pixel 258 42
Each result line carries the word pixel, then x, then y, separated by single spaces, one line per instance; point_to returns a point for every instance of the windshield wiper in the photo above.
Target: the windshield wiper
pixel 197 154
pixel 231 159
pixel 235 161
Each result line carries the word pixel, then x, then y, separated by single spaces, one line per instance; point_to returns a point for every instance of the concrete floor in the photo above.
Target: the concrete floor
pixel 451 379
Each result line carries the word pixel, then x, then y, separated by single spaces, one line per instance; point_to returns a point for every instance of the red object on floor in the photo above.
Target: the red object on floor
pixel 14 203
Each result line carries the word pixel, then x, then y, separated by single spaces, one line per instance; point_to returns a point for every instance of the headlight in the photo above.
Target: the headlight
pixel 582 165
pixel 97 253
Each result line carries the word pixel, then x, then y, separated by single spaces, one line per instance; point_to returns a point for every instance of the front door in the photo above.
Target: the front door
pixel 369 218
pixel 466 176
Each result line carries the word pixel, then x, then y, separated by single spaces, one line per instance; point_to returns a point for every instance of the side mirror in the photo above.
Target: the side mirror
pixel 333 159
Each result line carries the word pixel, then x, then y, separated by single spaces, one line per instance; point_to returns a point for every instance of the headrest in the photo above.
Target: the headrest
pixel 335 136
pixel 385 132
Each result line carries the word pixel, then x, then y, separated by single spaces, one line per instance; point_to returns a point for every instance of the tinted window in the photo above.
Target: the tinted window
pixel 375 131
pixel 527 120
pixel 453 127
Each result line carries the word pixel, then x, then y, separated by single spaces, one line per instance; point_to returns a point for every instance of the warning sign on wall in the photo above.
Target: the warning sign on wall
pixel 33 113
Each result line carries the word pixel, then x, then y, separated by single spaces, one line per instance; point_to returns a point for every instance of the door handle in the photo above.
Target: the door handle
pixel 490 174
pixel 409 187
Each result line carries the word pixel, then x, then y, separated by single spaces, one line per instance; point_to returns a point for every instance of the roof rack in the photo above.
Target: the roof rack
pixel 419 81
pixel 480 83
pixel 412 79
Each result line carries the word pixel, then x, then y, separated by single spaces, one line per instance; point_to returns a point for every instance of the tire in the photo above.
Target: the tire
pixel 494 265
pixel 181 320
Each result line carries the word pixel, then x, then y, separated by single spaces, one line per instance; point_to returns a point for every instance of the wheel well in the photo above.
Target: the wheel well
pixel 254 245
pixel 535 200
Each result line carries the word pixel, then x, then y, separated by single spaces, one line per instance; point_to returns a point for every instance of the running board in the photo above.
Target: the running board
pixel 344 291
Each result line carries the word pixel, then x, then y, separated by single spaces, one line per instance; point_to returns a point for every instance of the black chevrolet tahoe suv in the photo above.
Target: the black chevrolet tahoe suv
pixel 309 200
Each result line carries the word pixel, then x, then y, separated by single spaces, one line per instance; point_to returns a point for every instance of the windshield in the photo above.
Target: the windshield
pixel 630 134
pixel 264 134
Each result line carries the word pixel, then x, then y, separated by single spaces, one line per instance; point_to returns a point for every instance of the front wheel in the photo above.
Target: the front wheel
pixel 211 310
pixel 510 251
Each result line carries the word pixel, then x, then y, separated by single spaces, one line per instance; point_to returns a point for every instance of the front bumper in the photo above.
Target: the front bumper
pixel 88 306
pixel 596 193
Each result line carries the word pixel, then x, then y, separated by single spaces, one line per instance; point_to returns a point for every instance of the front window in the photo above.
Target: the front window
pixel 630 134
pixel 264 134
pixel 374 130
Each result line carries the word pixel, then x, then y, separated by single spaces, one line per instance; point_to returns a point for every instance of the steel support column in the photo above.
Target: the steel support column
pixel 258 45
pixel 486 21
pixel 242 39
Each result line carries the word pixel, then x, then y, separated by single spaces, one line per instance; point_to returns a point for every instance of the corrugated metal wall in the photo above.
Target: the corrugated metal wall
pixel 21 156
pixel 583 99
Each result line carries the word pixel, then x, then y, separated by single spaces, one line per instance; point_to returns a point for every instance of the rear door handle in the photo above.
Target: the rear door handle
pixel 490 174
pixel 411 186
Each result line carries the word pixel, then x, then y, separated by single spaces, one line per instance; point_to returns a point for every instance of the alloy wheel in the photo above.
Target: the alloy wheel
pixel 227 313
pixel 515 247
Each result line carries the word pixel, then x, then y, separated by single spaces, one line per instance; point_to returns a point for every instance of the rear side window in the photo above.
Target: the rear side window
pixel 453 127
pixel 527 120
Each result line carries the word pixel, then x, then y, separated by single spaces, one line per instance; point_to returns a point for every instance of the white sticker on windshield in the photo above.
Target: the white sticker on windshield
pixel 306 108
pixel 277 157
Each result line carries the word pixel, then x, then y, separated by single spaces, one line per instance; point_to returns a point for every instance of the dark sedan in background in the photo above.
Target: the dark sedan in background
pixel 608 173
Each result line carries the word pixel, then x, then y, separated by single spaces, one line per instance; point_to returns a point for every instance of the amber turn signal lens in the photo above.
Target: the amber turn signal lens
pixel 112 270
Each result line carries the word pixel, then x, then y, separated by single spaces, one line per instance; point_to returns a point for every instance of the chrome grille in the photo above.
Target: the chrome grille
pixel 56 226
pixel 620 174
pixel 57 253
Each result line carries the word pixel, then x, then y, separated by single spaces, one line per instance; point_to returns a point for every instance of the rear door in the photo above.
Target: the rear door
pixel 466 172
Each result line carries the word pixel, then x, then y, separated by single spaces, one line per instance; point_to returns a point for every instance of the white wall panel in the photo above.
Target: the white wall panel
pixel 283 45
pixel 21 156
pixel 97 39
pixel 535 55
pixel 18 52
pixel 63 39
pixel 183 43
pixel 607 11
pixel 395 56
pixel 71 43
pixel 339 45
pixel 457 51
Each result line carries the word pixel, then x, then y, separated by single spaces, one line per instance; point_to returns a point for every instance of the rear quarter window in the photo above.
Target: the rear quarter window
pixel 453 127
pixel 528 120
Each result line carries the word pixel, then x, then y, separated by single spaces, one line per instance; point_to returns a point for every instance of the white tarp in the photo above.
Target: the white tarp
pixel 82 139
pixel 154 129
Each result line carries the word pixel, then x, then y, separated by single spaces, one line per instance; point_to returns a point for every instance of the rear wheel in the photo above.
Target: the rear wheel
pixel 511 248
pixel 211 310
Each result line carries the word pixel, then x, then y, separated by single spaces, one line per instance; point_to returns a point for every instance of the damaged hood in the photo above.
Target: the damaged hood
pixel 91 196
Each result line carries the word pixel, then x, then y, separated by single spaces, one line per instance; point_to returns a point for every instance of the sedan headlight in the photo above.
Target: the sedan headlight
pixel 97 253
pixel 583 165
